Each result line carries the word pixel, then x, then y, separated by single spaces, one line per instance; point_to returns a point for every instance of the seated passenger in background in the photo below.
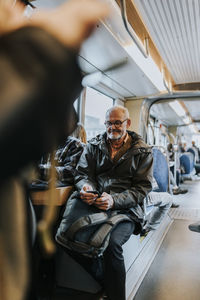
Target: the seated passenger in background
pixel 176 184
pixel 80 133
pixel 170 150
pixel 118 164
pixel 66 159
pixel 181 148
pixel 196 150
pixel 185 147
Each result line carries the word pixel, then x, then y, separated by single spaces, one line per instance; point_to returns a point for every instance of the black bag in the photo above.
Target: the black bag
pixel 85 228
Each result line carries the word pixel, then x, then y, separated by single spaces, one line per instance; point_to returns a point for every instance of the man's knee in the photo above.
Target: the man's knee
pixel 167 200
pixel 163 200
pixel 118 237
pixel 114 248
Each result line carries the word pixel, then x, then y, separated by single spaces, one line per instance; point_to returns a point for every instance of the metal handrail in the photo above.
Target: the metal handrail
pixel 144 51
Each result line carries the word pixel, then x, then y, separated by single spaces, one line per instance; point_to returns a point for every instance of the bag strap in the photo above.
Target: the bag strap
pixel 85 221
pixel 100 235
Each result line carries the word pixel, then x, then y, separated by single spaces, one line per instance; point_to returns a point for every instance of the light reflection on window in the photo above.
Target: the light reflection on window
pixel 96 106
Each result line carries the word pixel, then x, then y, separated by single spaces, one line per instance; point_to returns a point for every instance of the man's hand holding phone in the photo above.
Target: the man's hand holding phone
pixel 104 202
pixel 88 195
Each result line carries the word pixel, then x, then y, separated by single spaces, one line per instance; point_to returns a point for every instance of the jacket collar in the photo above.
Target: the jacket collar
pixel 100 140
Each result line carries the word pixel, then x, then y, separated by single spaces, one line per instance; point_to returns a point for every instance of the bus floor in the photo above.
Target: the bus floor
pixel 175 271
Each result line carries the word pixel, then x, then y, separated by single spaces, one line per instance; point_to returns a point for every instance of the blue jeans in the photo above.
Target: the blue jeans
pixel 110 272
pixel 114 268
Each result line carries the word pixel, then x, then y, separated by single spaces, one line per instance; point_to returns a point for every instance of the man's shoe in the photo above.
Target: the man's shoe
pixel 195 227
pixel 176 192
pixel 183 191
pixel 179 191
pixel 174 205
pixel 144 232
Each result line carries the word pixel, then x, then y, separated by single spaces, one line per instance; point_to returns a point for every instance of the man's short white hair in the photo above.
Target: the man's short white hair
pixel 118 107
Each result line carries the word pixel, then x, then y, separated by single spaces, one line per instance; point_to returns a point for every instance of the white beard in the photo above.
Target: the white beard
pixel 114 136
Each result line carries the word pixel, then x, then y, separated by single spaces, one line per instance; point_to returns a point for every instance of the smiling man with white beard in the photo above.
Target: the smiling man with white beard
pixel 118 165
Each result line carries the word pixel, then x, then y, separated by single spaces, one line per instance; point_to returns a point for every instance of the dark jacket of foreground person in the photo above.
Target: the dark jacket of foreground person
pixel 39 80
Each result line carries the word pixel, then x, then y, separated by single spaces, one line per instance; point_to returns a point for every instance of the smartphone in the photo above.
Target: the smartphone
pixel 94 192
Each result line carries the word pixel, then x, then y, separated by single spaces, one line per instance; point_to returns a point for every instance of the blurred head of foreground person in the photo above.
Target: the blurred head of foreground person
pixel 40 79
pixel 71 23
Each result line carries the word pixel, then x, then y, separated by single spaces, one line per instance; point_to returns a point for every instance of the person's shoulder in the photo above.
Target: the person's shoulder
pixel 97 139
pixel 73 141
pixel 138 142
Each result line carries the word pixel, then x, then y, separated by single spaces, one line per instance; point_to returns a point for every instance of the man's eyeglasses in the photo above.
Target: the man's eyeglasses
pixel 116 123
pixel 27 2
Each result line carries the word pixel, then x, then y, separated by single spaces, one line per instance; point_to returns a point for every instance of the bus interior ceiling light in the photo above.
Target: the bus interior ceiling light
pixel 179 110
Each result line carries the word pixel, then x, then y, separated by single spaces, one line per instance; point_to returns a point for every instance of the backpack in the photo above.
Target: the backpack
pixel 85 228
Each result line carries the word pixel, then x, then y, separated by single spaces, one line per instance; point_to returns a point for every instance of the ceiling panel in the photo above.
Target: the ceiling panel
pixel 168 116
pixel 163 112
pixel 193 107
pixel 105 48
pixel 174 26
pixel 95 56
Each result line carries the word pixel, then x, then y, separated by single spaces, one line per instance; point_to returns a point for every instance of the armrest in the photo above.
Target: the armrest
pixel 62 194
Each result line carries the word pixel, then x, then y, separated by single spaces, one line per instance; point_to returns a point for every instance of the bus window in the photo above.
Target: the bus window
pixel 151 131
pixel 96 105
pixel 163 140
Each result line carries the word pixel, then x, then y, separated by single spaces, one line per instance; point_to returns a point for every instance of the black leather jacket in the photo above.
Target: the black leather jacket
pixel 66 158
pixel 128 180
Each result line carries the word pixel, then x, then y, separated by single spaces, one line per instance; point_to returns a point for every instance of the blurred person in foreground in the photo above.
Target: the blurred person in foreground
pixel 40 79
